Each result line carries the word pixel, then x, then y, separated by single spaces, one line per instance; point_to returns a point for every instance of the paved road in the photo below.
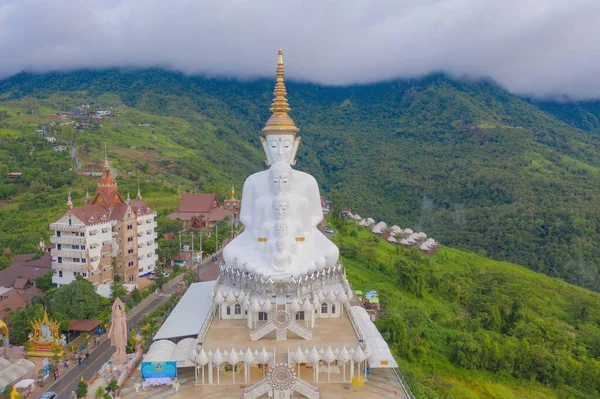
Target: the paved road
pixel 104 351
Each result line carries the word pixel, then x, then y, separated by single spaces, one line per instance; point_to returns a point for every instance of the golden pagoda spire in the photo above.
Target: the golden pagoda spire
pixel 106 167
pixel 69 202
pixel 232 193
pixel 280 122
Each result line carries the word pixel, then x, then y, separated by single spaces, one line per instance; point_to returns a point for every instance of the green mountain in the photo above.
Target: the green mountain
pixel 466 327
pixel 467 162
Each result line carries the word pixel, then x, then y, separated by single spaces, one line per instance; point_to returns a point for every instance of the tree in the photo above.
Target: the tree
pixel 44 282
pixel 118 290
pixel 6 260
pixel 167 249
pixel 113 386
pixel 76 300
pixel 82 388
pixel 190 277
pixel 136 295
pixel 19 322
pixel 159 276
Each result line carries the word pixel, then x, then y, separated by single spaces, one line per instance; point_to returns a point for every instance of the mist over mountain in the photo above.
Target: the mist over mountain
pixel 469 163
pixel 532 47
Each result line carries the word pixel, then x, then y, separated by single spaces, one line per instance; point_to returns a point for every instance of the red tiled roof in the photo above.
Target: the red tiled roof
pixel 219 214
pixel 138 204
pixel 83 325
pixel 21 283
pixel 200 203
pixel 91 214
pixel 13 302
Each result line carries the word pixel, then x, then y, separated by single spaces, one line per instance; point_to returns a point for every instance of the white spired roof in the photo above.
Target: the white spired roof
pixel 189 315
pixel 381 356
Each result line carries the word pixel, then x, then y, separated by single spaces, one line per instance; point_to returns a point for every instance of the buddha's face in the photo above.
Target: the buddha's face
pixel 280 245
pixel 280 230
pixel 281 182
pixel 280 208
pixel 280 147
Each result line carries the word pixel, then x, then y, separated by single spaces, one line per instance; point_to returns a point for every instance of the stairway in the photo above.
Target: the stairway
pixel 304 388
pixel 299 330
pixel 262 331
pixel 257 390
pixel 385 384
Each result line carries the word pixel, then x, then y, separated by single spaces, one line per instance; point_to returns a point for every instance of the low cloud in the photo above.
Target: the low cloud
pixel 532 47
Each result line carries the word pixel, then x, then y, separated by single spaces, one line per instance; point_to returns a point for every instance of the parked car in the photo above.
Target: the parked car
pixel 48 395
pixel 329 231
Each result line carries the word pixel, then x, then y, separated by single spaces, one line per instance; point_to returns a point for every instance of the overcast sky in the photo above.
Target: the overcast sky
pixel 536 47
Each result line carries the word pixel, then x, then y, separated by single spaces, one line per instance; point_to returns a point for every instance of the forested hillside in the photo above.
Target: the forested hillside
pixel 467 162
pixel 466 327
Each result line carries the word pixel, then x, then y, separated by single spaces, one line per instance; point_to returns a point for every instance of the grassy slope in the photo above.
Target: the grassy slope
pixel 547 306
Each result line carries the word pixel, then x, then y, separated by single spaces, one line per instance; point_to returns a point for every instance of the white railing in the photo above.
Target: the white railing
pixel 71 240
pixel 67 227
pixel 403 383
pixel 205 326
pixel 69 266
pixel 68 253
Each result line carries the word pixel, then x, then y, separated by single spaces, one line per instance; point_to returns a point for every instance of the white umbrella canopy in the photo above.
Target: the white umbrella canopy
pixel 248 357
pixel 217 358
pixel 306 352
pixel 307 306
pixel 320 296
pixel 295 306
pixel 331 297
pixel 314 356
pixel 336 352
pixel 342 297
pixel 219 299
pixel 201 358
pixel 241 296
pixel 321 352
pixel 298 356
pixel 255 307
pixel 246 303
pixel 231 298
pixel 256 354
pixel 233 357
pixel 359 355
pixel 329 356
pixel 267 307
pixel 344 356
pixel 264 356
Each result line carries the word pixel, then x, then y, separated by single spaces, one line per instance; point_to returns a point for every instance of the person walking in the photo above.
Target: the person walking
pixel 78 360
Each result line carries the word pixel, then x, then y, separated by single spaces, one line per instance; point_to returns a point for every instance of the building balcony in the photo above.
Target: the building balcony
pixel 70 240
pixel 68 253
pixel 70 266
pixel 67 227
pixel 155 225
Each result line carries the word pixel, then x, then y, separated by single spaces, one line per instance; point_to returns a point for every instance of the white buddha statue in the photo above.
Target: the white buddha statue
pixel 280 236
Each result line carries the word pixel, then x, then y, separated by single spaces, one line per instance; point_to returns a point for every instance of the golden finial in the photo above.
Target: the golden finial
pixel 280 122
pixel 232 193
pixel 105 157
pixel 69 202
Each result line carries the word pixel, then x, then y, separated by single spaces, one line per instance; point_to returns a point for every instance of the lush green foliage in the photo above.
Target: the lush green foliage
pixel 464 326
pixel 466 162
pixel 77 300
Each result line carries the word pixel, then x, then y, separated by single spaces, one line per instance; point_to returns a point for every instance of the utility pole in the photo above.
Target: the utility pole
pixel 216 238
pixel 200 263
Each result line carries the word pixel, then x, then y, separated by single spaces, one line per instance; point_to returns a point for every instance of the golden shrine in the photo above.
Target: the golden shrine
pixel 45 337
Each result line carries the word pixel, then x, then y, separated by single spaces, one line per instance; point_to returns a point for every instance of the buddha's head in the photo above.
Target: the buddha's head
pixel 280 142
pixel 280 245
pixel 280 207
pixel 280 229
pixel 280 175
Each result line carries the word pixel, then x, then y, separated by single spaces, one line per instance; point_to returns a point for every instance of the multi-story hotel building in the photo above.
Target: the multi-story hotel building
pixel 106 237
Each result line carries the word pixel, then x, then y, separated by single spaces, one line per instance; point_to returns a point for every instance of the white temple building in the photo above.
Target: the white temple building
pixel 283 319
